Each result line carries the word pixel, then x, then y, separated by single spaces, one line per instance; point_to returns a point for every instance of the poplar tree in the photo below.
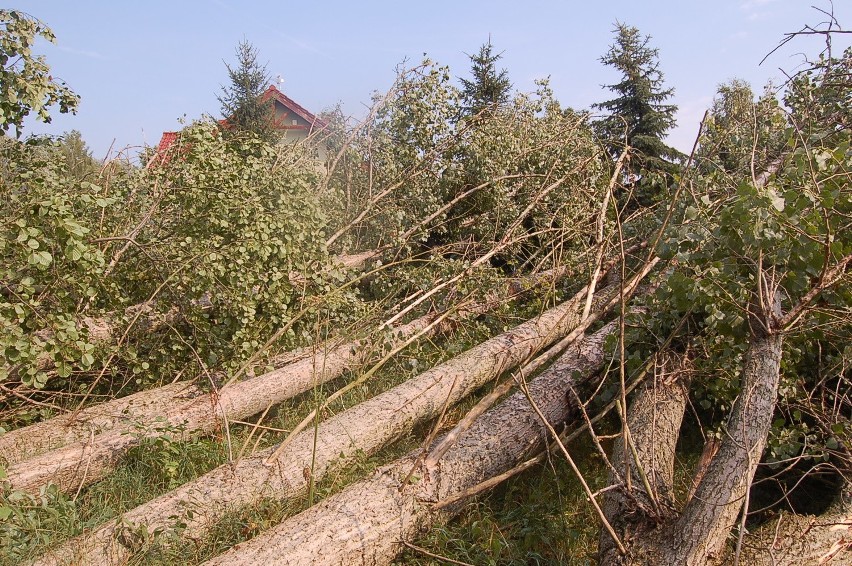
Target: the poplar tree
pixel 638 116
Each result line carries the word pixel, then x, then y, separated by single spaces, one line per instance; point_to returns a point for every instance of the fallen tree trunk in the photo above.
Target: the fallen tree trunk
pixel 655 415
pixel 364 428
pixel 367 522
pixel 125 414
pixel 698 536
pixel 86 461
pixel 86 449
pixel 795 540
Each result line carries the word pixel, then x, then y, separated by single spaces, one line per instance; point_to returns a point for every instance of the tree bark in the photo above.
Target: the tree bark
pixel 367 522
pixel 655 416
pixel 796 540
pixel 123 414
pixel 363 428
pixel 86 461
pixel 698 536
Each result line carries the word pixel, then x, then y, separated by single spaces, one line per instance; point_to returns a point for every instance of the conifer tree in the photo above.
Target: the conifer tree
pixel 486 87
pixel 638 116
pixel 243 107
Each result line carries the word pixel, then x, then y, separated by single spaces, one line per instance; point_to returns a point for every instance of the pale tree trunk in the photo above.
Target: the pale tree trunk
pixel 363 428
pixel 799 540
pixel 655 416
pixel 86 461
pixel 126 414
pixel 367 522
pixel 87 449
pixel 697 537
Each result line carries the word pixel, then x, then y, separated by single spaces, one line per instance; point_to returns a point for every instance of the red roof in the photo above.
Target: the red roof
pixel 166 141
pixel 294 107
pixel 315 123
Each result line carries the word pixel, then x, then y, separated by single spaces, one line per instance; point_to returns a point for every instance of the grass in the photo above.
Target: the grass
pixel 538 517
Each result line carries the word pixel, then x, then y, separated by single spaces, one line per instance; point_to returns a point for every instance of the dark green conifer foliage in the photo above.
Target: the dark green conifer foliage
pixel 638 116
pixel 243 107
pixel 487 87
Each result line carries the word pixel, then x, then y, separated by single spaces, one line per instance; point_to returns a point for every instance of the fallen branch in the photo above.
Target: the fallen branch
pixel 94 446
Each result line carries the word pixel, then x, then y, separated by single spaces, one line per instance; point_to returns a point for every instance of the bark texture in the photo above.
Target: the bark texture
pixel 698 536
pixel 801 540
pixel 126 413
pixel 367 522
pixel 365 427
pixel 655 416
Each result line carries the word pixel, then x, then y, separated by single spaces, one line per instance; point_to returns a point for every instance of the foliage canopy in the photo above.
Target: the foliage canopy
pixel 26 84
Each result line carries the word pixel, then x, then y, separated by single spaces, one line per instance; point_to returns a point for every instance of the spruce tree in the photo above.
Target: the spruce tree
pixel 638 116
pixel 243 107
pixel 486 87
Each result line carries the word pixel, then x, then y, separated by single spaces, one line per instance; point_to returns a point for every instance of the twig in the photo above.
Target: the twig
pixel 435 556
pixel 575 469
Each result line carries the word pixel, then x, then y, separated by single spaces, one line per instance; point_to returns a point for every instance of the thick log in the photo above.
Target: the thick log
pixel 367 522
pixel 125 414
pixel 655 414
pixel 796 540
pixel 364 428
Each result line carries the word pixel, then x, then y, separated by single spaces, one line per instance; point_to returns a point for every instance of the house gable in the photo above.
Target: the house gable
pixel 293 119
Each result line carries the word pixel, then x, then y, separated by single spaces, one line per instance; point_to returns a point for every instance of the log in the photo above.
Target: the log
pixel 126 414
pixel 796 540
pixel 698 536
pixel 87 450
pixel 367 522
pixel 655 414
pixel 86 461
pixel 364 428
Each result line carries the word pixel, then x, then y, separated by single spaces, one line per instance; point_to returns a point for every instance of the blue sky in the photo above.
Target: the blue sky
pixel 141 66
